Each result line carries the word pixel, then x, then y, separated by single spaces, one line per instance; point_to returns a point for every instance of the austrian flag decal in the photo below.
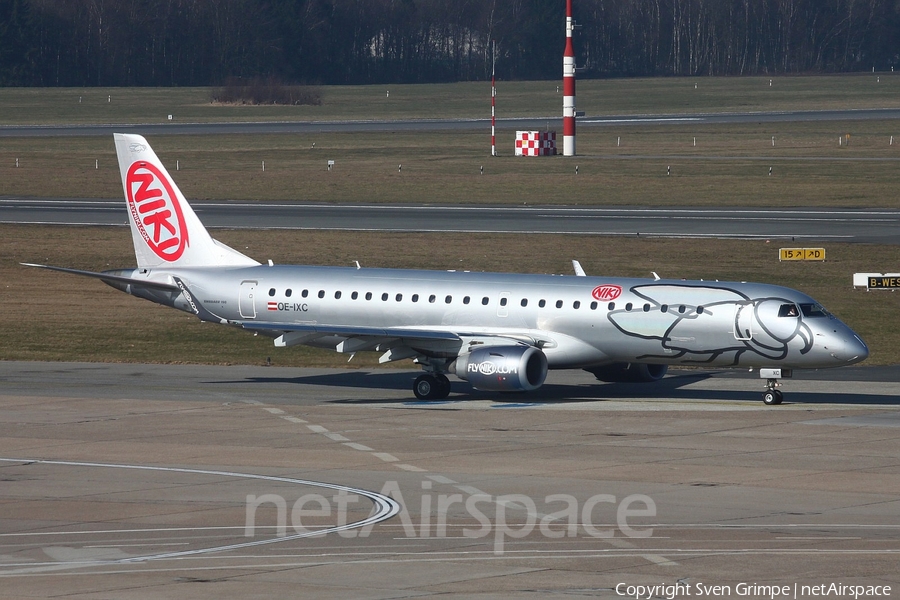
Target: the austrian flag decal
pixel 606 292
pixel 156 211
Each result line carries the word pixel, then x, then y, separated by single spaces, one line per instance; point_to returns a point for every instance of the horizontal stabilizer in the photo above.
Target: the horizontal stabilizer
pixel 112 279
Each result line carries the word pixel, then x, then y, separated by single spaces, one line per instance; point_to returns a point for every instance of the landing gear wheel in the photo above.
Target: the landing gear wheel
pixel 443 386
pixel 431 387
pixel 772 397
pixel 426 387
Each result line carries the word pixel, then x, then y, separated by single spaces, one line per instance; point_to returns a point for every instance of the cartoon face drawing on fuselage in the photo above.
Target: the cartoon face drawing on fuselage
pixel 709 324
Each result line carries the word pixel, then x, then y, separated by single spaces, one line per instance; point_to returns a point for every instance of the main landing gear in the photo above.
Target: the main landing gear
pixel 431 387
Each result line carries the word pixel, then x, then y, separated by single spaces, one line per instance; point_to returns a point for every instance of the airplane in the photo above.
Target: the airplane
pixel 500 332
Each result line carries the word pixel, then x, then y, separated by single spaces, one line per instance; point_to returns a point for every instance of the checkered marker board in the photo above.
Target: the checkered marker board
pixel 535 143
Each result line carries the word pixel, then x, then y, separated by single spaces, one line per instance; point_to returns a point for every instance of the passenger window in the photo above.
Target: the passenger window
pixel 271 291
pixel 321 293
pixel 788 310
pixel 337 295
pixel 542 303
pixel 288 293
pixel 432 298
pixel 384 296
pixel 484 301
pixel 576 305
pixel 593 306
pixel 559 304
pixel 415 297
pixel 503 301
pixel 304 293
pixel 524 302
pixel 399 297
pixel 466 300
pixel 628 306
pixel 681 309
pixel 368 295
pixel 664 308
pixel 611 306
pixel 699 310
pixel 354 295
pixel 448 299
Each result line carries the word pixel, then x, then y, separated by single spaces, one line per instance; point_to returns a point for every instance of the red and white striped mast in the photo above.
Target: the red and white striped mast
pixel 569 86
pixel 493 100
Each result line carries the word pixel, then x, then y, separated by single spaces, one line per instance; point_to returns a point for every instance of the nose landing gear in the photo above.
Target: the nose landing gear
pixel 773 396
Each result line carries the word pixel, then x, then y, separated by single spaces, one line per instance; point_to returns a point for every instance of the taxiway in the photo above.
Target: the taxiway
pixel 131 481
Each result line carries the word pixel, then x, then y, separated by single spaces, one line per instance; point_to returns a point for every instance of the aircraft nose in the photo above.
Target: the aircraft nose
pixel 846 346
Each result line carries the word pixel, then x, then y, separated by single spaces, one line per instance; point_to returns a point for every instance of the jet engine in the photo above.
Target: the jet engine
pixel 502 368
pixel 629 372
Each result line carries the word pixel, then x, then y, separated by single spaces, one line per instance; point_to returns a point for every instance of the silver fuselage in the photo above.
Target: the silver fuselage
pixel 576 321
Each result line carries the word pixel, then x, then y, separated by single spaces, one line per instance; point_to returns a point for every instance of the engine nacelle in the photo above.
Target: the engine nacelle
pixel 503 368
pixel 629 372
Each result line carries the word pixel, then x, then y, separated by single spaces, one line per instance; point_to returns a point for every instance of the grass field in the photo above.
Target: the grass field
pixel 41 106
pixel 52 316
pixel 618 165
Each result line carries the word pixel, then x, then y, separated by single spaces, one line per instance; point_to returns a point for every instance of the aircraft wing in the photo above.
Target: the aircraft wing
pixel 353 331
pixel 322 330
pixel 407 333
pixel 397 343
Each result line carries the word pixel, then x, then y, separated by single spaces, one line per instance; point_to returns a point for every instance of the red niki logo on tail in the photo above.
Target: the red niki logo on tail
pixel 156 211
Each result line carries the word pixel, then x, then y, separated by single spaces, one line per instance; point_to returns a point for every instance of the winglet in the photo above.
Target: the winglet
pixel 579 272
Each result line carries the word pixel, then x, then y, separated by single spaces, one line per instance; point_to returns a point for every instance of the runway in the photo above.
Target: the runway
pixel 134 480
pixel 530 123
pixel 801 225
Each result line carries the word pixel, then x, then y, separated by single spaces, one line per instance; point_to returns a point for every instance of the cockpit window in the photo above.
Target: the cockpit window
pixel 814 311
pixel 788 310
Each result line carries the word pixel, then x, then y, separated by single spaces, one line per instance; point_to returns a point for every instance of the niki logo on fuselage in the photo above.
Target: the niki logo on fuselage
pixel 683 319
pixel 156 211
pixel 606 292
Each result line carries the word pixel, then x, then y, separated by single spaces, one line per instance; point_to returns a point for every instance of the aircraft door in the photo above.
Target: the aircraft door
pixel 246 300
pixel 743 321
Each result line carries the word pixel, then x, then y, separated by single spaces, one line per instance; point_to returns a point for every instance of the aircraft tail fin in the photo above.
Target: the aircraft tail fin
pixel 164 228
